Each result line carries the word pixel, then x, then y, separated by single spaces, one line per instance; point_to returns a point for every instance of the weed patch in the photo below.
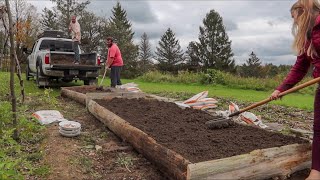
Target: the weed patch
pixel 124 160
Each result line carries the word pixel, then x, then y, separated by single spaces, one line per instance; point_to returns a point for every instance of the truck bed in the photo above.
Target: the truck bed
pixel 58 59
pixel 74 67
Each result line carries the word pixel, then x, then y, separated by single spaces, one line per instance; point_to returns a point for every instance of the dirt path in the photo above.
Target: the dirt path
pixel 96 154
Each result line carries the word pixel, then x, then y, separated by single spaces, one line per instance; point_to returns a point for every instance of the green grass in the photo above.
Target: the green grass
pixel 42 170
pixel 30 86
pixel 298 100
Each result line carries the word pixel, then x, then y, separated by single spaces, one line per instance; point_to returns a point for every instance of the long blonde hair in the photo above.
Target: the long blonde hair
pixel 304 14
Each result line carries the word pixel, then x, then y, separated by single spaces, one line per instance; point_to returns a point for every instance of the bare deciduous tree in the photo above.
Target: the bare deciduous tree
pixel 12 70
pixel 5 35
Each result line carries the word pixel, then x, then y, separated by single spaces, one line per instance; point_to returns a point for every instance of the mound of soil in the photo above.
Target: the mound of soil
pixel 62 59
pixel 184 130
pixel 68 59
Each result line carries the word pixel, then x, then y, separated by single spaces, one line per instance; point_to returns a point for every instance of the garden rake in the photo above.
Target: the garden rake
pixel 222 122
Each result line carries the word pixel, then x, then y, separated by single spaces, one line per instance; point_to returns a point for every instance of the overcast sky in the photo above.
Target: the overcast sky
pixel 260 26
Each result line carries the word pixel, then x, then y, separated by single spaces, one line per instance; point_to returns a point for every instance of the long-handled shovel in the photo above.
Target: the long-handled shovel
pixel 212 124
pixel 104 75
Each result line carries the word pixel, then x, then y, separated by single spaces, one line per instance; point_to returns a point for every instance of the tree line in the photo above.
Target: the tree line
pixel 212 49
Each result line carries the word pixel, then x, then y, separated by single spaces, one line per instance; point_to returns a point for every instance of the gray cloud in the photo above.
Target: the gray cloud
pixel 137 11
pixel 230 25
pixel 265 47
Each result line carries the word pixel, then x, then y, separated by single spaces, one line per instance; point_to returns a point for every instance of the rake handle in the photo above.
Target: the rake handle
pixel 296 88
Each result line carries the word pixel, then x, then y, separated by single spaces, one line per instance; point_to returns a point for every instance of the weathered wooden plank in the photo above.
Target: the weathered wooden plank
pixel 172 164
pixel 259 164
pixel 76 96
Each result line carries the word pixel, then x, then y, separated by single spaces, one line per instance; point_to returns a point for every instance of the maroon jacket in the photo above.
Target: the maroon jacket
pixel 301 67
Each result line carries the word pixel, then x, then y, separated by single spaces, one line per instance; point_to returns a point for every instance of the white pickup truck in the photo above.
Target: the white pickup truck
pixel 51 58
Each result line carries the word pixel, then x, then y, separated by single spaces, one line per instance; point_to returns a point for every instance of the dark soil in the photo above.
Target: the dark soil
pixel 68 59
pixel 90 89
pixel 62 59
pixel 299 175
pixel 185 132
pixel 288 116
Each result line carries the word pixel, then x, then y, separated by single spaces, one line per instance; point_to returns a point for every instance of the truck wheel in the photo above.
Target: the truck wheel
pixel 27 72
pixel 38 77
pixel 90 82
pixel 67 80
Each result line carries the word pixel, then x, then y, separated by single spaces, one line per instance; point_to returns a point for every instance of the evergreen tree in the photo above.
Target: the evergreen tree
pixel 145 54
pixel 214 46
pixel 49 19
pixel 193 61
pixel 252 67
pixel 91 31
pixel 119 27
pixel 67 8
pixel 169 53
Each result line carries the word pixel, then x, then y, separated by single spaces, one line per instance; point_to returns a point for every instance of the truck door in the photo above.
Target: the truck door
pixel 32 60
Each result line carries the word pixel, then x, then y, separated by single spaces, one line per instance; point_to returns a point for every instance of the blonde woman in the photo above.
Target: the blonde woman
pixel 306 32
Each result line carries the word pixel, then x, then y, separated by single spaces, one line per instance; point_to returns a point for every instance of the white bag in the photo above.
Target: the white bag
pixel 205 106
pixel 250 118
pixel 131 87
pixel 196 97
pixel 48 116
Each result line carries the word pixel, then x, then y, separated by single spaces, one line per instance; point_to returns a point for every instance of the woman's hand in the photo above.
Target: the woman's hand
pixel 275 95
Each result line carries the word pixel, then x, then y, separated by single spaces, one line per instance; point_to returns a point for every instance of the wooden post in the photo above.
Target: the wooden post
pixel 76 96
pixel 259 164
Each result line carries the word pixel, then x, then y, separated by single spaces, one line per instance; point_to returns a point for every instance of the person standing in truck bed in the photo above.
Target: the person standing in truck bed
pixel 114 61
pixel 74 28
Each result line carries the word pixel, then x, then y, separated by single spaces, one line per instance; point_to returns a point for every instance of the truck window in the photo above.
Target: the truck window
pixel 54 45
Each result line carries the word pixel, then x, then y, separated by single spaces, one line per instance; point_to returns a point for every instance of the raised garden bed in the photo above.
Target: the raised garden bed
pixel 79 93
pixel 184 148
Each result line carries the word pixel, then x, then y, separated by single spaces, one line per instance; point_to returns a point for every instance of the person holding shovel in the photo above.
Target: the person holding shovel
pixel 74 28
pixel 114 61
pixel 306 32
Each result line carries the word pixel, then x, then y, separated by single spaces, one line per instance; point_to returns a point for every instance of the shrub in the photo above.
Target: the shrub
pixel 185 77
pixel 213 76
